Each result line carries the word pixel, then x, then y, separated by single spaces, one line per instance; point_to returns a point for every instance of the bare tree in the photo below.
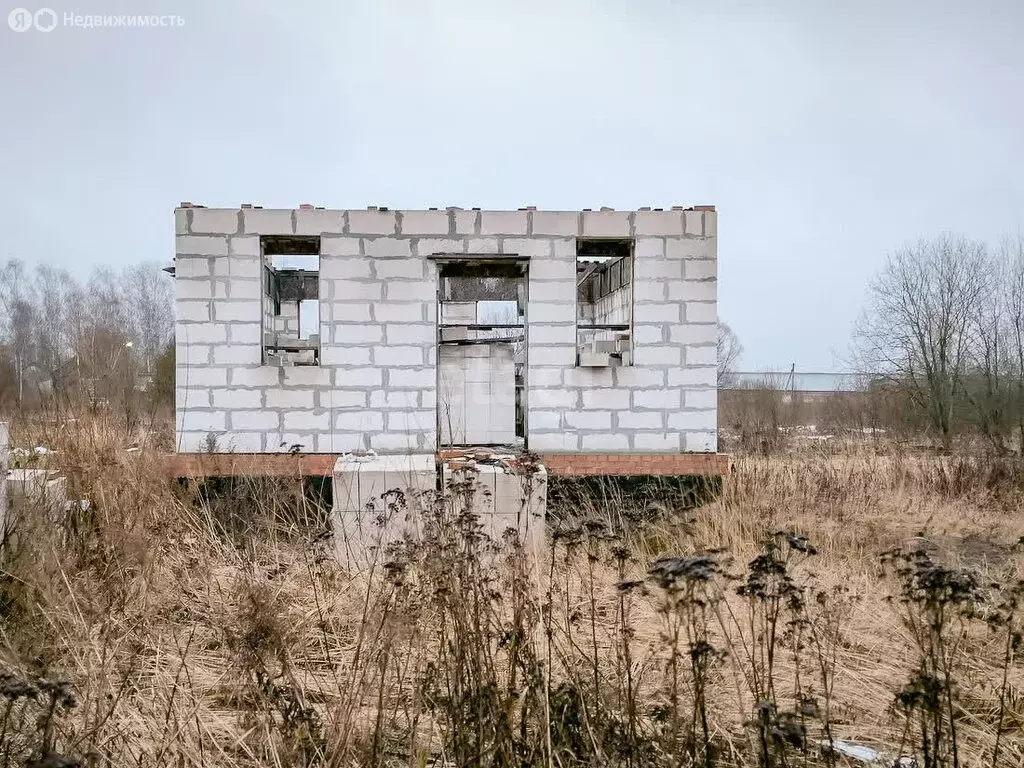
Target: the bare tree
pixel 19 313
pixel 1011 256
pixel 150 308
pixel 729 351
pixel 916 327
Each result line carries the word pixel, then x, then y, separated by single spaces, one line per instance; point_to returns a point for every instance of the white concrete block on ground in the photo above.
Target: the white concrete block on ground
pixel 367 516
pixel 501 499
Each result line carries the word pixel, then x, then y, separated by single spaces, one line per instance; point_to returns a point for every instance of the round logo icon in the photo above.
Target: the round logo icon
pixel 45 19
pixel 20 20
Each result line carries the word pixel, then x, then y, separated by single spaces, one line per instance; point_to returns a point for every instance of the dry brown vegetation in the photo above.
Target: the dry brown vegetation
pixel 183 626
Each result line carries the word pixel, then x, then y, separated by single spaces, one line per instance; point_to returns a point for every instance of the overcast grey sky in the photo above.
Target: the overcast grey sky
pixel 826 132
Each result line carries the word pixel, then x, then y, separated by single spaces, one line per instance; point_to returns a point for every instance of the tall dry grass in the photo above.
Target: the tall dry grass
pixel 182 625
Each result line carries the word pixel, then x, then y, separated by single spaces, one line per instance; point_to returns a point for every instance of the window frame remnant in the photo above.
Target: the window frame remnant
pixel 604 267
pixel 281 286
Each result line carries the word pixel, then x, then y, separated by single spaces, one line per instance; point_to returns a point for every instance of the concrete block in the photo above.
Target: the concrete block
pixel 562 441
pixel 545 420
pixel 534 247
pixel 417 378
pixel 693 290
pixel 589 419
pixel 487 245
pixel 191 397
pixel 267 221
pixel 689 249
pixel 339 245
pixel 241 442
pixel 551 291
pixel 237 398
pixel 334 354
pixel 291 399
pixel 307 420
pixel 423 222
pixel 372 223
pixel 657 399
pixel 203 333
pixel 556 223
pixel 706 333
pixel 553 356
pixel 541 399
pixel 711 224
pixel 411 268
pixel 201 421
pixel 241 289
pixel 345 398
pixel 649 249
pixel 180 224
pixel 700 398
pixel 399 312
pixel 391 442
pixel 410 290
pixel 245 267
pixel 350 313
pixel 410 422
pixel 692 420
pixel 503 223
pixel 245 333
pixel 611 399
pixel 699 311
pixel 410 334
pixel 284 442
pixel 657 313
pixel 694 377
pixel 214 221
pixel 351 333
pixel 466 222
pixel 344 268
pixel 695 223
pixel 658 269
pixel 387 248
pixel 349 290
pixel 701 442
pixel 185 289
pixel 702 355
pixel 407 399
pixel 551 312
pixel 314 222
pixel 359 421
pixel 701 269
pixel 651 420
pixel 649 334
pixel 235 311
pixel 650 292
pixel 658 223
pixel 193 310
pixel 605 442
pixel 255 420
pixel 635 377
pixel 658 355
pixel 458 312
pixel 244 245
pixel 659 442
pixel 255 376
pixel 588 378
pixel 560 269
pixel 205 377
pixel 306 376
pixel 548 334
pixel 427 246
pixel 189 267
pixel 604 224
pixel 359 377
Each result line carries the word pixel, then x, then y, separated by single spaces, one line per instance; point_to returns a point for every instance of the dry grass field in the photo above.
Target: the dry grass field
pixel 181 626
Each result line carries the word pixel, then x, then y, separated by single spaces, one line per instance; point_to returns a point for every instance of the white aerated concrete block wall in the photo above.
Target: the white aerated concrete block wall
pixel 376 386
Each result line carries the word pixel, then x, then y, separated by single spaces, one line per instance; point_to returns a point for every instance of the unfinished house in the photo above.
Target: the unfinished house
pixel 585 337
